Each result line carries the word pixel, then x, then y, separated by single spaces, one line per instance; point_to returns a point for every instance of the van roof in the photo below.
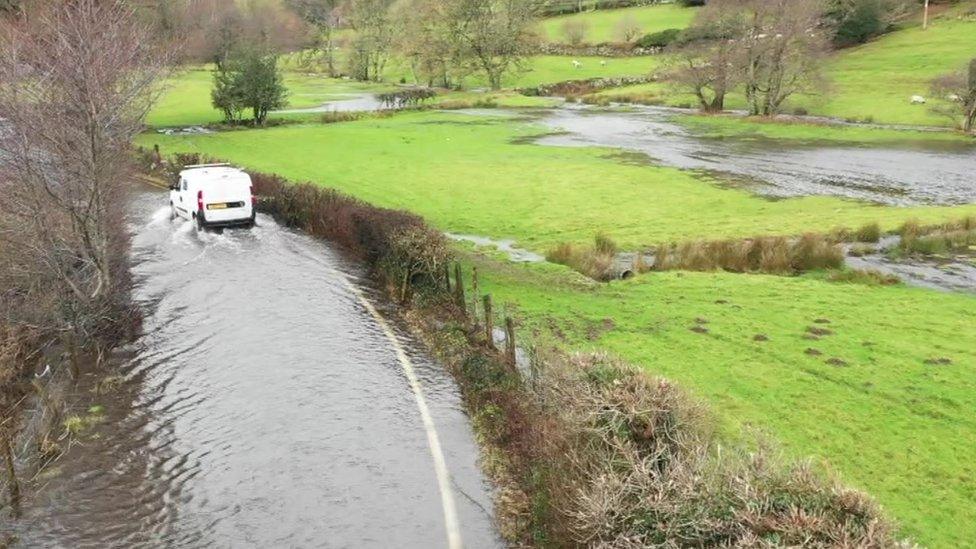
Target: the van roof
pixel 210 173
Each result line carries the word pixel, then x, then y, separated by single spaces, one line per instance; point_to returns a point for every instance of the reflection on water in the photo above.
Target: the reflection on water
pixel 262 407
pixel 933 174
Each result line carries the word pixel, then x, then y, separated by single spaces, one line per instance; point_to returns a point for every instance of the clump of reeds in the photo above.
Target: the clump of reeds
pixel 953 236
pixel 596 261
pixel 870 232
pixel 774 255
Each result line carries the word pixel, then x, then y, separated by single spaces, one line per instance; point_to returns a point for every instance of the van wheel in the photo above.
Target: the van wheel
pixel 172 212
pixel 199 220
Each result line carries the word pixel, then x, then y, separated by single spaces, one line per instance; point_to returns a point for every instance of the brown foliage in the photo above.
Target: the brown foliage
pixel 775 255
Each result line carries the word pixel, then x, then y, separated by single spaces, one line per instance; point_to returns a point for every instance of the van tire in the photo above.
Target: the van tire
pixel 199 222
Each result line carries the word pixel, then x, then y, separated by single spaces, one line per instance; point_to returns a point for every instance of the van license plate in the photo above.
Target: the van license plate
pixel 216 206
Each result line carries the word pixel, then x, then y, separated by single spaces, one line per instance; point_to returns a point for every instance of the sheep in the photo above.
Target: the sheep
pixel 577 64
pixel 918 100
pixel 603 63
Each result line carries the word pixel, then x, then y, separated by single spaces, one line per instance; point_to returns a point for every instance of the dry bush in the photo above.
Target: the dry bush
pixel 634 462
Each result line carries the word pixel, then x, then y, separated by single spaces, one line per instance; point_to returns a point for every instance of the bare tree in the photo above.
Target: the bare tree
pixel 957 92
pixel 575 31
pixel 708 60
pixel 492 36
pixel 78 78
pixel 628 29
pixel 781 49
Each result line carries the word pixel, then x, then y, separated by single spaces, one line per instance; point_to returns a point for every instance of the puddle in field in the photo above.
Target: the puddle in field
pixel 951 273
pixel 357 102
pixel 930 173
pixel 507 247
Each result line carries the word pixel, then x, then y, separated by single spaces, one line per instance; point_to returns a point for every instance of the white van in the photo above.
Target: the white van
pixel 213 195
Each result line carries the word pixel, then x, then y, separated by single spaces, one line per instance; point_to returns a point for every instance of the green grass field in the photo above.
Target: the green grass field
pixel 886 421
pixel 459 171
pixel 603 24
pixel 186 96
pixel 185 99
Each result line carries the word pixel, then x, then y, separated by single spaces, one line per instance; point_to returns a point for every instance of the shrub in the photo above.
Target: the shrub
pixel 635 463
pixel 660 39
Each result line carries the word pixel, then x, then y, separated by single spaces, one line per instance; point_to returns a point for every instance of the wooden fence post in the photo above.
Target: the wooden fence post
pixel 510 341
pixel 489 328
pixel 447 277
pixel 474 293
pixel 459 288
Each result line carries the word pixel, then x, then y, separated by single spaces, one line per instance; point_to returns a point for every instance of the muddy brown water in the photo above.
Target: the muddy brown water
pixel 903 174
pixel 263 407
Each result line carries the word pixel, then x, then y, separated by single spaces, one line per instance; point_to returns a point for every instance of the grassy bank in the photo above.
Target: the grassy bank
pixel 460 171
pixel 832 370
pixel 872 82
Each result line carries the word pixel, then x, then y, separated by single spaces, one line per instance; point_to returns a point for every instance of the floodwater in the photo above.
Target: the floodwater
pixel 895 175
pixel 263 407
pixel 356 102
pixel 950 273
pixel 507 247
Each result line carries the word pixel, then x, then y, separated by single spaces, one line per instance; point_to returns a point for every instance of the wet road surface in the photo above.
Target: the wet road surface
pixel 264 407
pixel 933 174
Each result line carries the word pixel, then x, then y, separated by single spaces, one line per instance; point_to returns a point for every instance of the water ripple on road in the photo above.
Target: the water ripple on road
pixel 263 407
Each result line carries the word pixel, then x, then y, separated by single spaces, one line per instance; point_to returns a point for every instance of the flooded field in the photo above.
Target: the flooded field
pixel 263 407
pixel 929 174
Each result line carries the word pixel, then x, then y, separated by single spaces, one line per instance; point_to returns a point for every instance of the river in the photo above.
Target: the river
pixel 264 407
pixel 896 174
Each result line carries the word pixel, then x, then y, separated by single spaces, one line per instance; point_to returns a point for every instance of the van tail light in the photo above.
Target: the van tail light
pixel 200 202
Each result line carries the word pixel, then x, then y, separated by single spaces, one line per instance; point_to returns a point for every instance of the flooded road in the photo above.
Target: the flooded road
pixel 903 175
pixel 264 407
